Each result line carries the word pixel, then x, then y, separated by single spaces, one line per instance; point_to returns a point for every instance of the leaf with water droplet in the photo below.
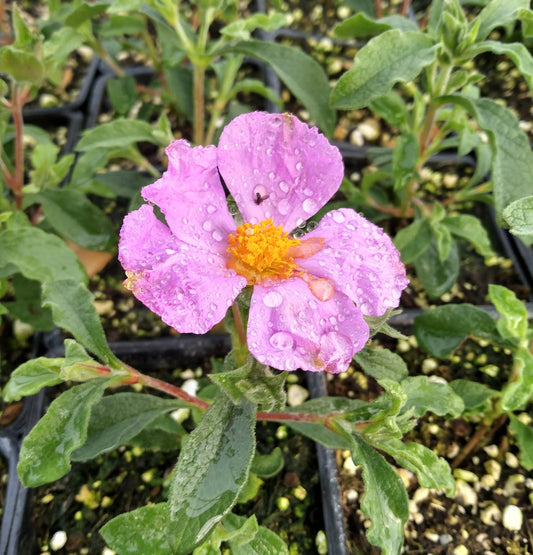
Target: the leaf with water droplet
pixel 211 471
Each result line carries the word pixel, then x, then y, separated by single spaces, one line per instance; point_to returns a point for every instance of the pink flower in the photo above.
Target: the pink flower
pixel 309 294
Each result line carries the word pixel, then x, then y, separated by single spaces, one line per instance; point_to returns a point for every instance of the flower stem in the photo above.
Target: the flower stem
pixel 238 323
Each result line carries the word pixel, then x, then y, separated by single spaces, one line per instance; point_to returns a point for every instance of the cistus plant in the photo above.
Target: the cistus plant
pixel 198 52
pixel 291 300
pixel 443 329
pixel 425 84
pixel 37 216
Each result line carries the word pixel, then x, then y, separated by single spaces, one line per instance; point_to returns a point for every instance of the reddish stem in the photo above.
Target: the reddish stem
pixel 18 101
pixel 379 9
pixel 405 7
pixel 168 388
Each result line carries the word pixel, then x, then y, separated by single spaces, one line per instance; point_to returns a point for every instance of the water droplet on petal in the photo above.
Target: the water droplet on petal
pixel 207 225
pixel 272 299
pixel 217 236
pixel 309 206
pixel 322 288
pixel 284 207
pixel 284 186
pixel 272 175
pixel 338 216
pixel 211 208
pixel 282 340
pixel 299 166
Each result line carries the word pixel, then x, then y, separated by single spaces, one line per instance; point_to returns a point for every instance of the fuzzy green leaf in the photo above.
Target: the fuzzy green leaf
pixel 32 251
pixel 385 498
pixel 211 471
pixel 382 364
pixel 496 14
pixel 412 241
pixel 432 471
pixel 144 530
pixel 116 419
pixel 474 394
pixel 388 58
pixel 76 218
pixel 302 74
pixel 73 309
pixel 45 452
pixel 516 394
pixel 30 377
pixel 470 228
pixel 118 133
pixel 514 321
pixel 442 329
pixel 524 437
pixel 360 26
pixel 424 396
pixel 519 217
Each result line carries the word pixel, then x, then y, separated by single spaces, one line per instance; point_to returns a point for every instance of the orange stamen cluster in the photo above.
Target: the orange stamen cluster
pixel 261 251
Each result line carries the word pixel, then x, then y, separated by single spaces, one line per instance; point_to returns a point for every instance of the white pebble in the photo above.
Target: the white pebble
pixel 461 550
pixel 491 514
pixel 296 395
pixel 58 540
pixel 511 460
pixel 349 466
pixel 512 518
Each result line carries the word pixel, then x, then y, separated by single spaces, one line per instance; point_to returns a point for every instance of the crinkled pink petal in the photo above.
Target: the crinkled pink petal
pixel 276 167
pixel 190 288
pixel 144 240
pixel 192 198
pixel 288 328
pixel 360 259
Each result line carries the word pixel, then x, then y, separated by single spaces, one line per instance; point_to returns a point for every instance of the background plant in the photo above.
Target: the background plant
pixel 441 330
pixel 436 106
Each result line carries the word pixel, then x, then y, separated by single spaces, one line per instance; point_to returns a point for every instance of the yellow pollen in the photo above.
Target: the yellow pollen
pixel 261 251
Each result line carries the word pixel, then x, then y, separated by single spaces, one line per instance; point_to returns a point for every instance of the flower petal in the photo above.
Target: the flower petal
pixel 144 240
pixel 276 167
pixel 288 328
pixel 190 288
pixel 192 198
pixel 360 258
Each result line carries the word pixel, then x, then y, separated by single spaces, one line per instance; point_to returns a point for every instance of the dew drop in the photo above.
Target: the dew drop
pixel 272 175
pixel 284 186
pixel 309 206
pixel 211 208
pixel 338 216
pixel 217 236
pixel 299 166
pixel 207 225
pixel 272 299
pixel 284 207
pixel 281 340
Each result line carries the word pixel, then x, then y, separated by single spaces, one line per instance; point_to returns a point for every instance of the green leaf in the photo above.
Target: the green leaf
pixel 263 542
pixel 514 321
pixel 424 395
pixel 23 34
pixel 470 228
pixel 516 51
pixel 122 93
pixel 385 498
pixel 45 452
pixel 404 159
pixel 162 434
pixel 118 133
pixel 445 241
pixel 382 364
pixel 392 108
pixel 524 438
pixel 496 14
pixel 517 393
pixel 72 308
pixel 212 469
pixel 22 66
pixel 268 465
pixel 144 530
pixel 117 418
pixel 360 26
pixel 512 162
pixel 26 305
pixel 39 255
pixel 412 241
pixel 388 58
pixel 442 329
pixel 254 382
pixel 31 376
pixel 124 183
pixel 180 83
pixel 304 77
pixel 437 276
pixel 241 29
pixel 432 471
pixel 519 216
pixel 474 394
pixel 76 218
